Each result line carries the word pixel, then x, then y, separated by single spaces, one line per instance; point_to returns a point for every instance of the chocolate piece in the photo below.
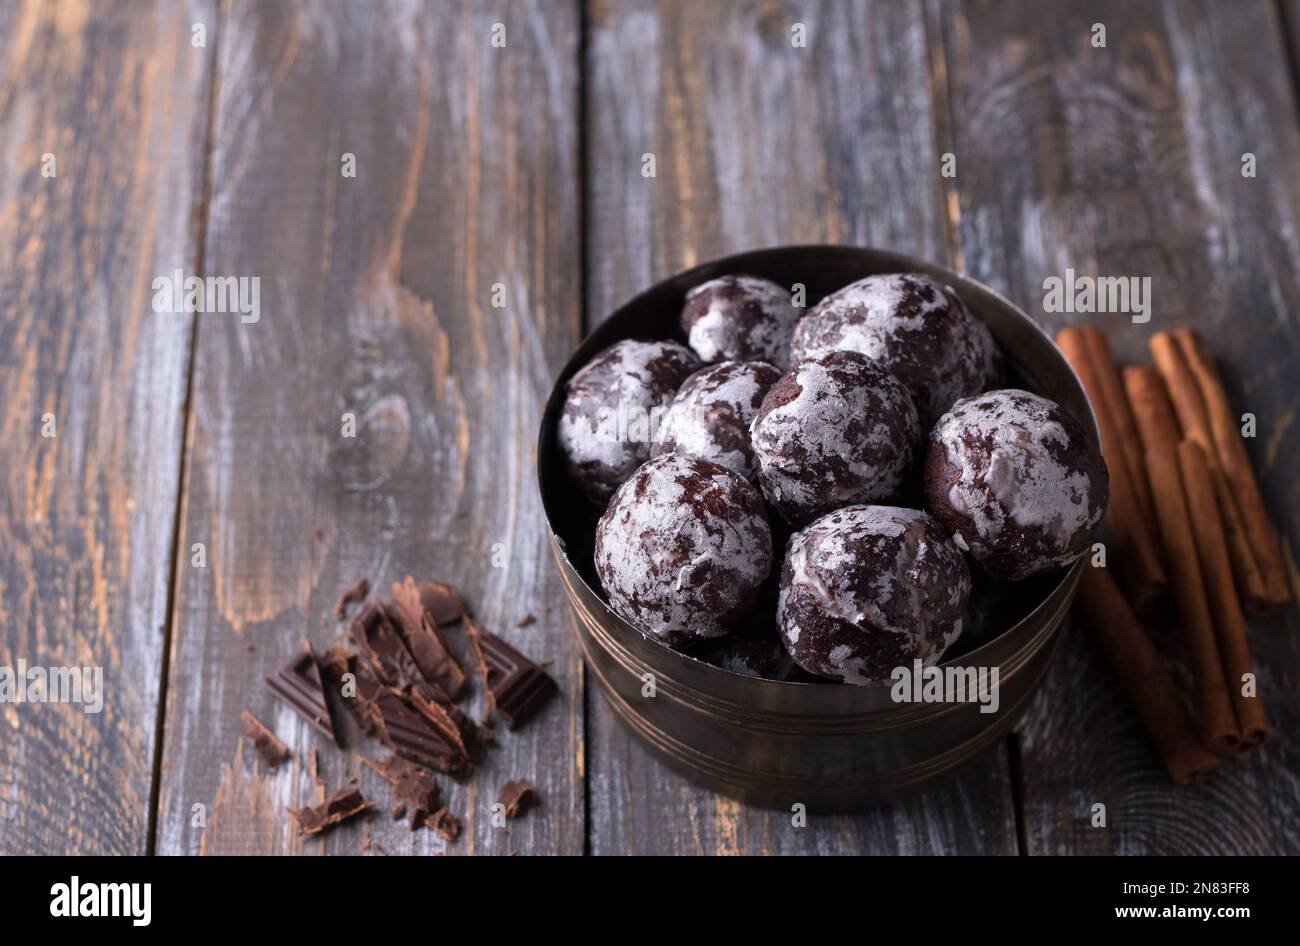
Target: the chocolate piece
pixel 298 682
pixel 424 639
pixel 443 602
pixel 339 807
pixel 380 643
pixel 518 797
pixel 399 811
pixel 516 687
pixel 526 620
pixel 412 785
pixel 382 712
pixel 446 824
pixel 271 749
pixel 350 596
pixel 445 716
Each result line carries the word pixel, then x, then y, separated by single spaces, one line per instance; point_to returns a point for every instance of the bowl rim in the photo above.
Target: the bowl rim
pixel 606 334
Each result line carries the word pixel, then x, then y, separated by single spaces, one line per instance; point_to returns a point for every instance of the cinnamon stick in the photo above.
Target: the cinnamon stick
pixel 1229 624
pixel 1214 707
pixel 1193 417
pixel 1152 411
pixel 1112 395
pixel 1129 526
pixel 1229 450
pixel 1149 398
pixel 1145 678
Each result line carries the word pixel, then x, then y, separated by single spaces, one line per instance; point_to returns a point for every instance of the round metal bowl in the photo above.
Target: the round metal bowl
pixel 829 746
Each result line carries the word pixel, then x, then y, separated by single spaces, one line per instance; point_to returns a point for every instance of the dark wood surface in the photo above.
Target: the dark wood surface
pixel 522 166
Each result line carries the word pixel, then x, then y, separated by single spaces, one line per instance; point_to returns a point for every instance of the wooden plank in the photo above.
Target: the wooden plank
pixel 376 300
pixel 118 97
pixel 1128 160
pixel 759 142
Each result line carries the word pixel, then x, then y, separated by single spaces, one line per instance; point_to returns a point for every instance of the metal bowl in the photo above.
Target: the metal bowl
pixel 829 746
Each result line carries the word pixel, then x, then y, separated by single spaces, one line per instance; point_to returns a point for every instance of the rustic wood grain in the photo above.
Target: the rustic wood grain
pixel 376 300
pixel 1127 160
pixel 117 94
pixel 756 143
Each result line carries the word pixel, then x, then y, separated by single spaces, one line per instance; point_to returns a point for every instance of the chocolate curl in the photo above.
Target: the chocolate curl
pixel 1144 677
pixel 1229 624
pixel 1127 523
pixel 1227 453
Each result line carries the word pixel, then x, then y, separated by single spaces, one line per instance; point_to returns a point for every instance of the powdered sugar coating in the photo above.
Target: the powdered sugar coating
pixel 710 415
pixel 866 589
pixel 1017 482
pixel 740 318
pixel 915 328
pixel 683 549
pixel 612 407
pixel 836 429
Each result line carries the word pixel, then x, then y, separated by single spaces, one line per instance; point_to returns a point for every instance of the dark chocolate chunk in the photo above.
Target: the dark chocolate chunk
pixel 516 687
pixel 379 642
pixel 270 748
pixel 357 591
pixel 443 602
pixel 446 824
pixel 399 811
pixel 414 787
pixel 298 683
pixel 526 620
pixel 339 807
pixel 383 712
pixel 518 797
pixel 425 640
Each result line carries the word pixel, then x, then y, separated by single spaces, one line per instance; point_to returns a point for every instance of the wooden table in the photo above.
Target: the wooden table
pixel 517 172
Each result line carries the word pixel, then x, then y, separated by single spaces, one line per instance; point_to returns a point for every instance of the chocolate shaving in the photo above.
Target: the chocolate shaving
pixel 446 717
pixel 270 748
pixel 526 621
pixel 382 712
pixel 350 596
pixel 446 824
pixel 443 602
pixel 518 797
pixel 379 642
pixel 516 687
pixel 399 811
pixel 339 807
pixel 412 786
pixel 298 682
pixel 425 640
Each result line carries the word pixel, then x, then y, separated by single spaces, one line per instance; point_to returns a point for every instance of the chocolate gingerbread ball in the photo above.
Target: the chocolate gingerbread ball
pixel 915 328
pixel 684 549
pixel 1016 481
pixel 836 429
pixel 710 415
pixel 740 318
pixel 612 407
pixel 866 589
